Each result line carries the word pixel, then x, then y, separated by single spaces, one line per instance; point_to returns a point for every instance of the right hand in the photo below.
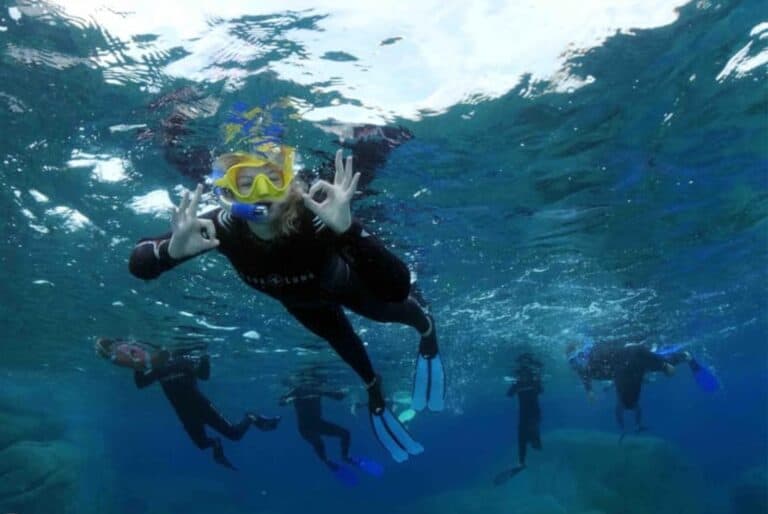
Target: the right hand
pixel 191 235
pixel 591 397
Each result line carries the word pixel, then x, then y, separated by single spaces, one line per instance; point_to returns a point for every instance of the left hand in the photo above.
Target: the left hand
pixel 334 210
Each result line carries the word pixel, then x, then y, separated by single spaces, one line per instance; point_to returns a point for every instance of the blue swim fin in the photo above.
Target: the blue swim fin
pixel 429 384
pixel 705 379
pixel 394 437
pixel 345 475
pixel 369 466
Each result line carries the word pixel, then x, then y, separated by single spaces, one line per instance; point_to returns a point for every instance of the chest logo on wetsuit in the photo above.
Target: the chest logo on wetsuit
pixel 274 280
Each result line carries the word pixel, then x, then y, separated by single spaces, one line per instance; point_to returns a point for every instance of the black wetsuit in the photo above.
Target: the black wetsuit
pixel 313 273
pixel 178 378
pixel 527 387
pixel 626 365
pixel 312 427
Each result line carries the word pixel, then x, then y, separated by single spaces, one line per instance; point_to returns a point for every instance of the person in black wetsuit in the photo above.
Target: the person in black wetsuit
pixel 306 398
pixel 303 248
pixel 306 394
pixel 178 373
pixel 526 386
pixel 626 365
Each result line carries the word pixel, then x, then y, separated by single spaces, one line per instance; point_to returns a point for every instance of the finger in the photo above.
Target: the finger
pixel 311 204
pixel 195 200
pixel 339 168
pixel 350 191
pixel 348 172
pixel 320 185
pixel 212 243
pixel 209 228
pixel 184 202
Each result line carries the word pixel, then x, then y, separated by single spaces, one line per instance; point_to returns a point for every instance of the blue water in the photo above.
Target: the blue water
pixel 600 173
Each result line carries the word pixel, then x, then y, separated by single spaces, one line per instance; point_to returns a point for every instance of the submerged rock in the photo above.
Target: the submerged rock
pixel 642 474
pixel 17 425
pixel 583 472
pixel 39 471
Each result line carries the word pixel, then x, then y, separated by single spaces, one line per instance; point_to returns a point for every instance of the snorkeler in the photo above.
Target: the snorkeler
pixel 303 248
pixel 306 397
pixel 624 364
pixel 178 373
pixel 526 386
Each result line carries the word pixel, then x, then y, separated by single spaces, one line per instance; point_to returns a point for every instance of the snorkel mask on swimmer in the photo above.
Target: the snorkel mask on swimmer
pixel 252 202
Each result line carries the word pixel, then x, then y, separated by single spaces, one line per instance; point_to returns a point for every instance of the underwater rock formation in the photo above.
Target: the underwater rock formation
pixel 749 494
pixel 642 474
pixel 583 472
pixel 38 470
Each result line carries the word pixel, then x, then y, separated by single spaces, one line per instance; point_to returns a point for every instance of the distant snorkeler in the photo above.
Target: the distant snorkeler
pixel 526 386
pixel 626 364
pixel 306 394
pixel 178 372
pixel 302 247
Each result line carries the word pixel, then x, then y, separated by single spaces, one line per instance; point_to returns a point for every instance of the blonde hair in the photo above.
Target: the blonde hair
pixel 286 220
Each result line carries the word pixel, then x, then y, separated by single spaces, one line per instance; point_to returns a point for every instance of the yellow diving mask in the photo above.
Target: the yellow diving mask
pixel 263 188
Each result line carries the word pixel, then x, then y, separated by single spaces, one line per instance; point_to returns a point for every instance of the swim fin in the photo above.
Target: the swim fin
pixel 369 466
pixel 705 379
pixel 429 384
pixel 505 475
pixel 393 436
pixel 345 475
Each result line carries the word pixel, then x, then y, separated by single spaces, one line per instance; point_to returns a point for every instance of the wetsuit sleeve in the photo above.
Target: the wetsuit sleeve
pixel 379 269
pixel 149 258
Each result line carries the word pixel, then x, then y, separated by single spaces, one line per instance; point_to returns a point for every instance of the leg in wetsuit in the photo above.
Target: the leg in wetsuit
pixel 309 416
pixel 529 422
pixel 329 321
pixel 632 363
pixel 527 433
pixel 178 379
pixel 195 411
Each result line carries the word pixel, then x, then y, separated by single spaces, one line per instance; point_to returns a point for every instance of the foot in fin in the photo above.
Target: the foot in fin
pixel 429 384
pixel 388 430
pixel 429 380
pixel 705 379
pixel 369 466
pixel 505 475
pixel 344 475
pixel 394 437
pixel 218 455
